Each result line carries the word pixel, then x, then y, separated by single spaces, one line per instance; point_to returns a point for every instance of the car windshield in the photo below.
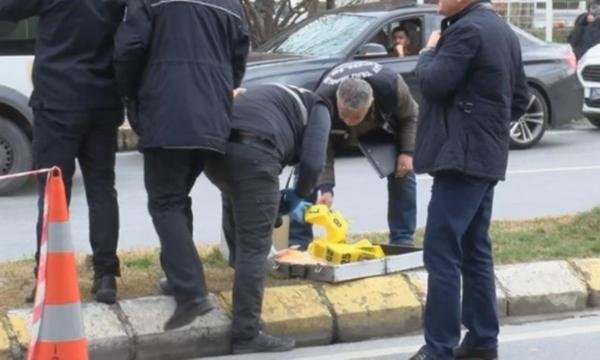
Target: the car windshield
pixel 327 35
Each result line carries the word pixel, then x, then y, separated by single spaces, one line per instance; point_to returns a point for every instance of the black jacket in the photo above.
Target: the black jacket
pixel 394 110
pixel 181 59
pixel 473 85
pixel 294 120
pixel 73 53
pixel 584 36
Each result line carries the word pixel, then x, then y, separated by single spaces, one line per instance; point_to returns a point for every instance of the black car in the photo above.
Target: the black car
pixel 305 53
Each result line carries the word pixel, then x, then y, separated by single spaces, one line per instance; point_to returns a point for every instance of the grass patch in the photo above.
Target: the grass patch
pixel 572 236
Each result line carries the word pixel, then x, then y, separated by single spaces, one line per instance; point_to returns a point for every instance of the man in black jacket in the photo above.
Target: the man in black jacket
pixel 473 85
pixel 272 126
pixel 77 112
pixel 364 97
pixel 586 32
pixel 179 61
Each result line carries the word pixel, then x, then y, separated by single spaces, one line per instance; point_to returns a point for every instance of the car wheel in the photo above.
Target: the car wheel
pixel 15 155
pixel 594 119
pixel 530 128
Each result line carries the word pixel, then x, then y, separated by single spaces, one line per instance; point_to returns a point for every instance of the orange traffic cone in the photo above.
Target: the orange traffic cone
pixel 57 322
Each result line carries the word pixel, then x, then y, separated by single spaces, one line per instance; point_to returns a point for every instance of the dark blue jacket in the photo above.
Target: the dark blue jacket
pixel 181 59
pixel 73 53
pixel 584 36
pixel 473 85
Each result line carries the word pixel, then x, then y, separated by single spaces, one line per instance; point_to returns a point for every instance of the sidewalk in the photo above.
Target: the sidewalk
pixel 313 314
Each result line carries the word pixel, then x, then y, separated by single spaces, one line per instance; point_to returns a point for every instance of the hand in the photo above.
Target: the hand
pixel 590 18
pixel 399 50
pixel 237 92
pixel 404 165
pixel 325 199
pixel 297 213
pixel 434 39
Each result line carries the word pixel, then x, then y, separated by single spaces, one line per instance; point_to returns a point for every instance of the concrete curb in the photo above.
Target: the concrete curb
pixel 316 314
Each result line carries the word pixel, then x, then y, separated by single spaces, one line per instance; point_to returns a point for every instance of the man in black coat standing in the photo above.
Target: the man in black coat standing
pixel 586 32
pixel 77 113
pixel 473 84
pixel 180 61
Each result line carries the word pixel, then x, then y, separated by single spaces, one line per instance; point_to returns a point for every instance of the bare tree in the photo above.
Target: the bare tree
pixel 267 18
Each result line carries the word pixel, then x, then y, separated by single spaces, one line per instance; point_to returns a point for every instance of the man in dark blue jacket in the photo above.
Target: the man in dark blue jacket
pixel 179 62
pixel 473 85
pixel 77 112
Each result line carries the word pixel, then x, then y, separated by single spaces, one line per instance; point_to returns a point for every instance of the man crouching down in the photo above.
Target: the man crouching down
pixel 272 126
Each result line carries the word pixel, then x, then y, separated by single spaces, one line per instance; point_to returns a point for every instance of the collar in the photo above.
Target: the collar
pixel 454 18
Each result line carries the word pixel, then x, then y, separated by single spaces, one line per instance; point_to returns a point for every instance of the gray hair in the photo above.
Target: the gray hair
pixel 354 93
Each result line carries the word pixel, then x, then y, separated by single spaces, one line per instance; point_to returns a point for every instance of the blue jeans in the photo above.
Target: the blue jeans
pixel 402 213
pixel 457 243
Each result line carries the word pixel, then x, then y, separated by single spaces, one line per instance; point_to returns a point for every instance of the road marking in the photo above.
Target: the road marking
pixel 569 132
pixel 557 169
pixel 509 172
pixel 527 336
pixel 536 171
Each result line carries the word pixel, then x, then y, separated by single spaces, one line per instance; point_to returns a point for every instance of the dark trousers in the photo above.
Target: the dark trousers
pixel 457 243
pixel 402 213
pixel 169 176
pixel 59 138
pixel 248 177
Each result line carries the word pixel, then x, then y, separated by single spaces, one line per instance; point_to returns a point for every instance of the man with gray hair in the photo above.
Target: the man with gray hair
pixel 364 97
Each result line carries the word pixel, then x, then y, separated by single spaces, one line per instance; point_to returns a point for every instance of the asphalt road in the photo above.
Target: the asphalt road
pixel 566 339
pixel 558 176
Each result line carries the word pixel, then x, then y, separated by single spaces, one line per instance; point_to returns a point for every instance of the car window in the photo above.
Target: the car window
pixel 327 35
pixel 401 37
pixel 18 38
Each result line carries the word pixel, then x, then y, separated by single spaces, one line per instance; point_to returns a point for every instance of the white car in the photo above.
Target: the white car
pixel 16 117
pixel 588 71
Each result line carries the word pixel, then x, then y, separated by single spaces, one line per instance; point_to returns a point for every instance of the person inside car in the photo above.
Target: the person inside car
pixel 400 42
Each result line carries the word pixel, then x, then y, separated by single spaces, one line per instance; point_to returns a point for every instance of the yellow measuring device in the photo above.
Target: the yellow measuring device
pixel 333 247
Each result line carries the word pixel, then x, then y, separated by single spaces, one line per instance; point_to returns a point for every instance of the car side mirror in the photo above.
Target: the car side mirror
pixel 372 50
pixel 7 27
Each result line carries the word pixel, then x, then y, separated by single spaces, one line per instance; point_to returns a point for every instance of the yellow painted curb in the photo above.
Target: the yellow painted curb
pixel 18 322
pixel 295 311
pixel 379 306
pixel 589 270
pixel 4 343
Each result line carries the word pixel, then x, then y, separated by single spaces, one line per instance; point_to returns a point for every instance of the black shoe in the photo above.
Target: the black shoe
pixel 187 312
pixel 165 287
pixel 421 355
pixel 105 289
pixel 468 353
pixel 262 343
